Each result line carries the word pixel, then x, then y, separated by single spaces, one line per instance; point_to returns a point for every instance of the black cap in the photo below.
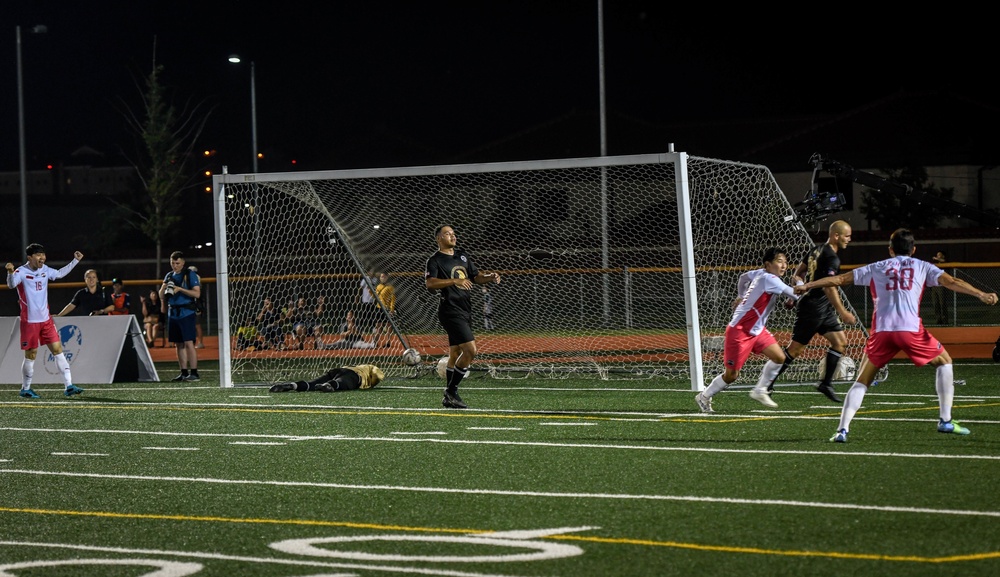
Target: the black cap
pixel 34 248
pixel 117 281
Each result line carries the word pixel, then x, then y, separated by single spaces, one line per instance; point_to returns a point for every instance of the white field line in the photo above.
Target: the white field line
pixel 532 494
pixel 837 452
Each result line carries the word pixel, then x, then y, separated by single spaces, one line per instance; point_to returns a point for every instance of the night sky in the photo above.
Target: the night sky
pixel 445 77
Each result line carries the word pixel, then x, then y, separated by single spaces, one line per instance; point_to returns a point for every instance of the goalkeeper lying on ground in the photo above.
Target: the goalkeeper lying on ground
pixel 342 379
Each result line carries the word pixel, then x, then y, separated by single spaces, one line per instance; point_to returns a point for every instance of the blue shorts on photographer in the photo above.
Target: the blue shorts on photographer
pixel 180 292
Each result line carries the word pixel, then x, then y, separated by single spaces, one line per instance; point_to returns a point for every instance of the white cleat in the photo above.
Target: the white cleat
pixel 763 398
pixel 704 403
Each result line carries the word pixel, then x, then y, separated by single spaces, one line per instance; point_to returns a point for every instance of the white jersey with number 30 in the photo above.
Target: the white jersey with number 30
pixel 897 285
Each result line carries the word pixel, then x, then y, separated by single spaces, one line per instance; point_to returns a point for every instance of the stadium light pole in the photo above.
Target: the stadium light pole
pixel 605 240
pixel 235 59
pixel 39 29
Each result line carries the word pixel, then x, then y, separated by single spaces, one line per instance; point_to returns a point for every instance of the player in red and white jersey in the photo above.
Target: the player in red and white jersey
pixel 757 287
pixel 897 285
pixel 37 328
pixel 747 332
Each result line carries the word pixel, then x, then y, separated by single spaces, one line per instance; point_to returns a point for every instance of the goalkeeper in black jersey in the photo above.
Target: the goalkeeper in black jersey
pixel 451 272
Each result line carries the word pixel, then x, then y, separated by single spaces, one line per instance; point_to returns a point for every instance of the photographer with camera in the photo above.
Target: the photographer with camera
pixel 179 296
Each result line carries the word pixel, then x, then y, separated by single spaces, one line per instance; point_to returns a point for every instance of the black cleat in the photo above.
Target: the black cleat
pixel 829 392
pixel 453 401
pixel 282 388
pixel 324 388
pixel 179 378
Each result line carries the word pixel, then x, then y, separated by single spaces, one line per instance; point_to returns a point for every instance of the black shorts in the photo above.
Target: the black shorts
pixel 347 380
pixel 459 329
pixel 813 320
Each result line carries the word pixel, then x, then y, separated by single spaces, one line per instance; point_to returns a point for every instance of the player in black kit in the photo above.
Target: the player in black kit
pixel 821 310
pixel 451 271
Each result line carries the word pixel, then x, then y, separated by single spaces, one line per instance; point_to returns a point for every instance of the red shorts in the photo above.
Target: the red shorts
pixel 739 344
pixel 34 335
pixel 921 347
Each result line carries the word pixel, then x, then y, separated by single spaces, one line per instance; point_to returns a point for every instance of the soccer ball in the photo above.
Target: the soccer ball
pixel 411 357
pixel 846 369
pixel 442 367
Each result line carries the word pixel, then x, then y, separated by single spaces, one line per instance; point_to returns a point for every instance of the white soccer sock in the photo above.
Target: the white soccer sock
pixel 63 365
pixel 768 374
pixel 851 405
pixel 27 372
pixel 717 385
pixel 944 382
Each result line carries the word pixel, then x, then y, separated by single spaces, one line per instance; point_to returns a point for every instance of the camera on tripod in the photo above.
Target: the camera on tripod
pixel 819 204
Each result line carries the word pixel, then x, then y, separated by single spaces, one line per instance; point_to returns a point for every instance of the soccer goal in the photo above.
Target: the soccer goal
pixel 613 267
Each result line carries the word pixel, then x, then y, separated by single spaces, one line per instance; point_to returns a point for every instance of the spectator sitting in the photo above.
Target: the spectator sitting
pixel 152 318
pixel 119 299
pixel 287 320
pixel 350 336
pixel 304 322
pixel 318 315
pixel 246 335
pixel 91 300
pixel 269 322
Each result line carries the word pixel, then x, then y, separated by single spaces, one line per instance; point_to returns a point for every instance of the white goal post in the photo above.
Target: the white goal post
pixel 613 267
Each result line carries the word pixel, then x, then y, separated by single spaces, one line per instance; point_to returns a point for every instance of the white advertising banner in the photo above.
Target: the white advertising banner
pixel 95 347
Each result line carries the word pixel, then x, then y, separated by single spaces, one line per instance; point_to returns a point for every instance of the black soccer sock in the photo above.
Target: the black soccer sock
pixel 448 379
pixel 302 386
pixel 832 360
pixel 789 359
pixel 459 374
pixel 185 372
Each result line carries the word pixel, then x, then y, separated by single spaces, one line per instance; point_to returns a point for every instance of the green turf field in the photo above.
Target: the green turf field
pixel 540 477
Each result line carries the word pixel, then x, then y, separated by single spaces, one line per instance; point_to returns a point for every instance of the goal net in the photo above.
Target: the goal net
pixel 614 267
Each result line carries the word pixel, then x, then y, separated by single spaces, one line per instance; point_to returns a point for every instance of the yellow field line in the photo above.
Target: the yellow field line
pixel 581 538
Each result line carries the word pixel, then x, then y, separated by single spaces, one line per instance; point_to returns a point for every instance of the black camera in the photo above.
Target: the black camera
pixel 818 205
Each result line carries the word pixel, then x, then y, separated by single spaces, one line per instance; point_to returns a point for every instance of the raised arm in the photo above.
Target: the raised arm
pixel 11 281
pixel 960 286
